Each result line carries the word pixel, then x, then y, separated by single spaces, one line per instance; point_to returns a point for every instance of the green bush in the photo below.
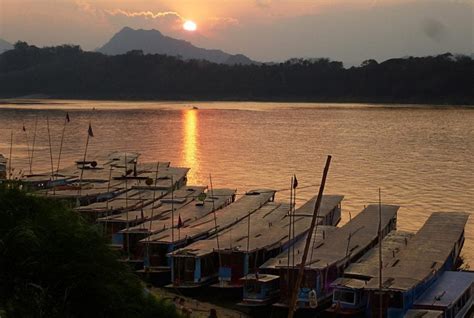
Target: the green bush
pixel 53 264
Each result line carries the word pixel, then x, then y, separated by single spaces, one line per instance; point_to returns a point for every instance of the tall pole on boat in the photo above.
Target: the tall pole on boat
pixel 33 146
pixel 50 152
pixel 89 134
pixel 380 255
pixel 126 206
pixel 152 213
pixel 172 211
pixel 294 296
pixel 215 221
pixel 107 202
pixel 66 120
pixel 10 157
pixel 289 234
pixel 27 143
pixel 294 186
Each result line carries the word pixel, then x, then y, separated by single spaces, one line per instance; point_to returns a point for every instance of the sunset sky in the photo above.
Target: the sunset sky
pixel 265 30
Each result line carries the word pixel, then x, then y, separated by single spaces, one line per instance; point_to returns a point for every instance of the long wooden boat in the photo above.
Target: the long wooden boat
pixel 159 245
pixel 452 294
pixel 134 192
pixel 237 260
pixel 225 255
pixel 262 288
pixel 433 250
pixel 328 258
pixel 158 217
pixel 144 205
pixel 349 298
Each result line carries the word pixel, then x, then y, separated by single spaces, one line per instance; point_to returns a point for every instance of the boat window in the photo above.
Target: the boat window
pixel 344 296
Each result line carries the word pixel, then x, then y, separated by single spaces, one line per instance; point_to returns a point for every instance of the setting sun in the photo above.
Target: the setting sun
pixel 189 26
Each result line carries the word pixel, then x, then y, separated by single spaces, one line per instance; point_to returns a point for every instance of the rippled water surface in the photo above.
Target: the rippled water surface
pixel 421 157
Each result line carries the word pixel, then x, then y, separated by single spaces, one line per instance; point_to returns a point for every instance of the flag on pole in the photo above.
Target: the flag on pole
pixel 68 119
pixel 90 132
pixel 180 222
pixel 295 182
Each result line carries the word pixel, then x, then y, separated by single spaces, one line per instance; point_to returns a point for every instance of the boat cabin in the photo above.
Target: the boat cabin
pixel 433 250
pixel 452 294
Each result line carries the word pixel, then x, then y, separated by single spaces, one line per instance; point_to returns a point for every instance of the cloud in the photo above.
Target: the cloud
pixel 263 3
pixel 144 14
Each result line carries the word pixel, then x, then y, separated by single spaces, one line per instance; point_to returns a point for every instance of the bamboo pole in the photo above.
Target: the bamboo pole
pixel 289 235
pixel 62 140
pixel 292 306
pixel 10 157
pixel 33 146
pixel 380 255
pixel 27 143
pixel 50 153
pixel 215 221
pixel 84 161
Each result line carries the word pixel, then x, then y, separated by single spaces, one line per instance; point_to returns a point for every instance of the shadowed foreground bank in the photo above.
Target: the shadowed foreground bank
pixel 53 264
pixel 68 72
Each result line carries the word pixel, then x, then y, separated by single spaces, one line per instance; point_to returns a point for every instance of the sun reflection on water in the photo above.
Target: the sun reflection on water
pixel 190 146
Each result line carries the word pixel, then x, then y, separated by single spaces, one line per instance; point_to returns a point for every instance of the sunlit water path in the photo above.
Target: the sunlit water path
pixel 421 157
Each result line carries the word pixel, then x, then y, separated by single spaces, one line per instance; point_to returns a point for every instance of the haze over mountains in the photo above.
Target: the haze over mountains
pixel 5 46
pixel 154 42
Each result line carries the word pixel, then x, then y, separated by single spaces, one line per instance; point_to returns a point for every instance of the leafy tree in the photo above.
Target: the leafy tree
pixel 53 264
pixel 67 71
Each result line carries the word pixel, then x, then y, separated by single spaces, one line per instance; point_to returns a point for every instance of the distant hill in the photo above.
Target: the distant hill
pixel 154 42
pixel 5 46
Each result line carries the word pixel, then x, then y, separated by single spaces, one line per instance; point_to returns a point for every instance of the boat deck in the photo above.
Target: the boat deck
pixel 426 252
pixel 235 238
pixel 160 218
pixel 205 226
pixel 345 242
pixel 162 204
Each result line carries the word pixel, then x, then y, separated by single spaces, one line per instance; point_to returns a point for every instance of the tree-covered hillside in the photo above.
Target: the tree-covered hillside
pixel 67 71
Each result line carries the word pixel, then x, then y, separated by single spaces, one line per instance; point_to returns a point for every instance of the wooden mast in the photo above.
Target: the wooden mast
pixel 294 297
pixel 380 256
pixel 33 146
pixel 10 157
pixel 50 154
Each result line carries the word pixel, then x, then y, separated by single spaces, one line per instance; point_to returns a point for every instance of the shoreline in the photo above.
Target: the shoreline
pixel 58 100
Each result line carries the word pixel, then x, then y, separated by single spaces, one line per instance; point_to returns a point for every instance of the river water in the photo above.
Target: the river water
pixel 421 157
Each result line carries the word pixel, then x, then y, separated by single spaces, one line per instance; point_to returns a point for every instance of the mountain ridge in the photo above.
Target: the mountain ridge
pixel 154 42
pixel 5 46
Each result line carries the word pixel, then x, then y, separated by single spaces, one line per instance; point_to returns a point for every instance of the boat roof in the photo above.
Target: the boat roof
pixel 261 278
pixel 178 199
pixel 447 289
pixel 138 194
pixel 425 253
pixel 368 265
pixel 328 203
pixel 358 273
pixel 319 234
pixel 160 217
pixel 235 237
pixel 423 313
pixel 268 229
pixel 346 241
pixel 225 217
